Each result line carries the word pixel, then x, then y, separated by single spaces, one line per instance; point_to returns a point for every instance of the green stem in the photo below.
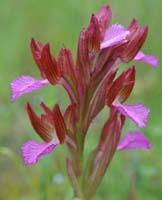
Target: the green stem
pixel 80 139
pixel 78 154
pixel 78 160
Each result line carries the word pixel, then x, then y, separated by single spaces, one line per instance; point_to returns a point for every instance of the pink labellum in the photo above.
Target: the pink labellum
pixel 152 60
pixel 32 151
pixel 136 112
pixel 115 35
pixel 134 140
pixel 25 84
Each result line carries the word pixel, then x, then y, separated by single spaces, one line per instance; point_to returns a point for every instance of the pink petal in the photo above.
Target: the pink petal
pixel 136 112
pixel 116 34
pixel 133 140
pixel 152 60
pixel 25 84
pixel 32 151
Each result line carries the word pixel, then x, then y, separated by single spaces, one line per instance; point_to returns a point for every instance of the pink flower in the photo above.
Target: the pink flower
pixel 119 92
pixel 50 127
pixel 133 37
pixel 48 67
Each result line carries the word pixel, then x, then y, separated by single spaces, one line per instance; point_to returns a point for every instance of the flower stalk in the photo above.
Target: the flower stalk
pixel 92 83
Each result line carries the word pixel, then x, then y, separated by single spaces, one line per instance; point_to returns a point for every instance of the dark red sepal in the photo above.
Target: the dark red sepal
pixel 36 49
pixel 57 120
pixel 60 125
pixel 71 118
pixel 137 40
pixel 93 35
pixel 83 59
pixel 121 87
pixel 49 65
pixel 103 16
pixel 42 128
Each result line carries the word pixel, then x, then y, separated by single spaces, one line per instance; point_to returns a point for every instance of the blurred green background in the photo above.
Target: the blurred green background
pixel 132 175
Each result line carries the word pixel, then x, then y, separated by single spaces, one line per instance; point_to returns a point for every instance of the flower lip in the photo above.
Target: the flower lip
pixel 115 35
pixel 141 57
pixel 32 151
pixel 25 84
pixel 134 140
pixel 138 113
